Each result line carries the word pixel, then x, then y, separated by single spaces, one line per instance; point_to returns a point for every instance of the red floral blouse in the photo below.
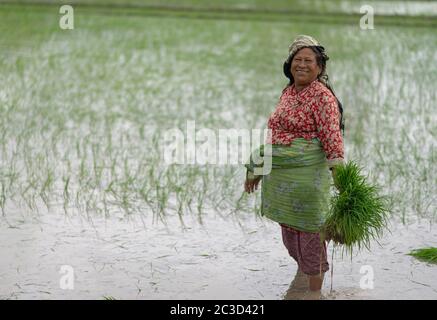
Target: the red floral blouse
pixel 310 113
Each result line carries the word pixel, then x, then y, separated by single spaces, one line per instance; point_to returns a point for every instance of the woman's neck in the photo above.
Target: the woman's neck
pixel 300 87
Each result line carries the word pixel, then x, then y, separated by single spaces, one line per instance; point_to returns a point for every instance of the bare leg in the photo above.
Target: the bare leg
pixel 316 282
pixel 315 286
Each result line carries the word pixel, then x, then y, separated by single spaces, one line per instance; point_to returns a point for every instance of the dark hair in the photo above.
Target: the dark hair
pixel 321 58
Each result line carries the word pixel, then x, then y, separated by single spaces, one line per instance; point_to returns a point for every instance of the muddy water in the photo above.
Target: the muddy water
pixel 139 259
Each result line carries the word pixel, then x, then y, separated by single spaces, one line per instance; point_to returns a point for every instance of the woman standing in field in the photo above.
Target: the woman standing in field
pixel 306 143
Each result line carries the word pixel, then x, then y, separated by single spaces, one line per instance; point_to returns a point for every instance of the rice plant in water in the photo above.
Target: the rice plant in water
pixel 358 214
pixel 425 254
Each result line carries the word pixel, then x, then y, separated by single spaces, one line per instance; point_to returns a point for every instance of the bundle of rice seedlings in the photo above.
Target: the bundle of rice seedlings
pixel 425 254
pixel 358 214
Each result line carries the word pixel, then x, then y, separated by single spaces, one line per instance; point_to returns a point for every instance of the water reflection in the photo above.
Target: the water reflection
pixel 299 289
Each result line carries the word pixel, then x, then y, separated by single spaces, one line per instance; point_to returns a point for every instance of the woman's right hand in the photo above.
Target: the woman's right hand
pixel 250 185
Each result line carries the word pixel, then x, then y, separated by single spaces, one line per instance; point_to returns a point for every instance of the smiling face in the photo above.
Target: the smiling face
pixel 304 67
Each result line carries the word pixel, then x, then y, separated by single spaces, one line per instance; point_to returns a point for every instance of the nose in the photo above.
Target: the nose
pixel 301 64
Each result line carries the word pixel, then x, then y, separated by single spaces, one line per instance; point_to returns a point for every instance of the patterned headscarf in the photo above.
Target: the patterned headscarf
pixel 304 41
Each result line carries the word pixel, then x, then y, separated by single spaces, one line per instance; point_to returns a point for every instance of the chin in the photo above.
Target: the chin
pixel 302 80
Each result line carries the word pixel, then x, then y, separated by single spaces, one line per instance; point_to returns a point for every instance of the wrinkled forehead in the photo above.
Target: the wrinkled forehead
pixel 305 53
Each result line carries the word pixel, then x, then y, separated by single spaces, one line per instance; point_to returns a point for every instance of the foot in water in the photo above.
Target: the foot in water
pixel 299 289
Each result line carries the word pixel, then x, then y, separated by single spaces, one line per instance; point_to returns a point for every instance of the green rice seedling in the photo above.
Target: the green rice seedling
pixel 78 152
pixel 82 171
pixel 46 188
pixel 125 201
pixel 77 199
pixel 105 206
pixel 66 194
pixel 96 168
pixel 27 199
pixel 200 199
pixel 29 193
pixel 425 254
pixel 12 174
pixel 145 191
pixel 358 214
pixel 3 197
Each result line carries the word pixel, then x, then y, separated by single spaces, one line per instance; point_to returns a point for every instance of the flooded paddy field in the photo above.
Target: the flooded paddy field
pixel 83 183
pixel 218 260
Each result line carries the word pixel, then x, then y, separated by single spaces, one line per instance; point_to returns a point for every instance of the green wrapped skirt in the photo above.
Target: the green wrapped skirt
pixel 296 192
